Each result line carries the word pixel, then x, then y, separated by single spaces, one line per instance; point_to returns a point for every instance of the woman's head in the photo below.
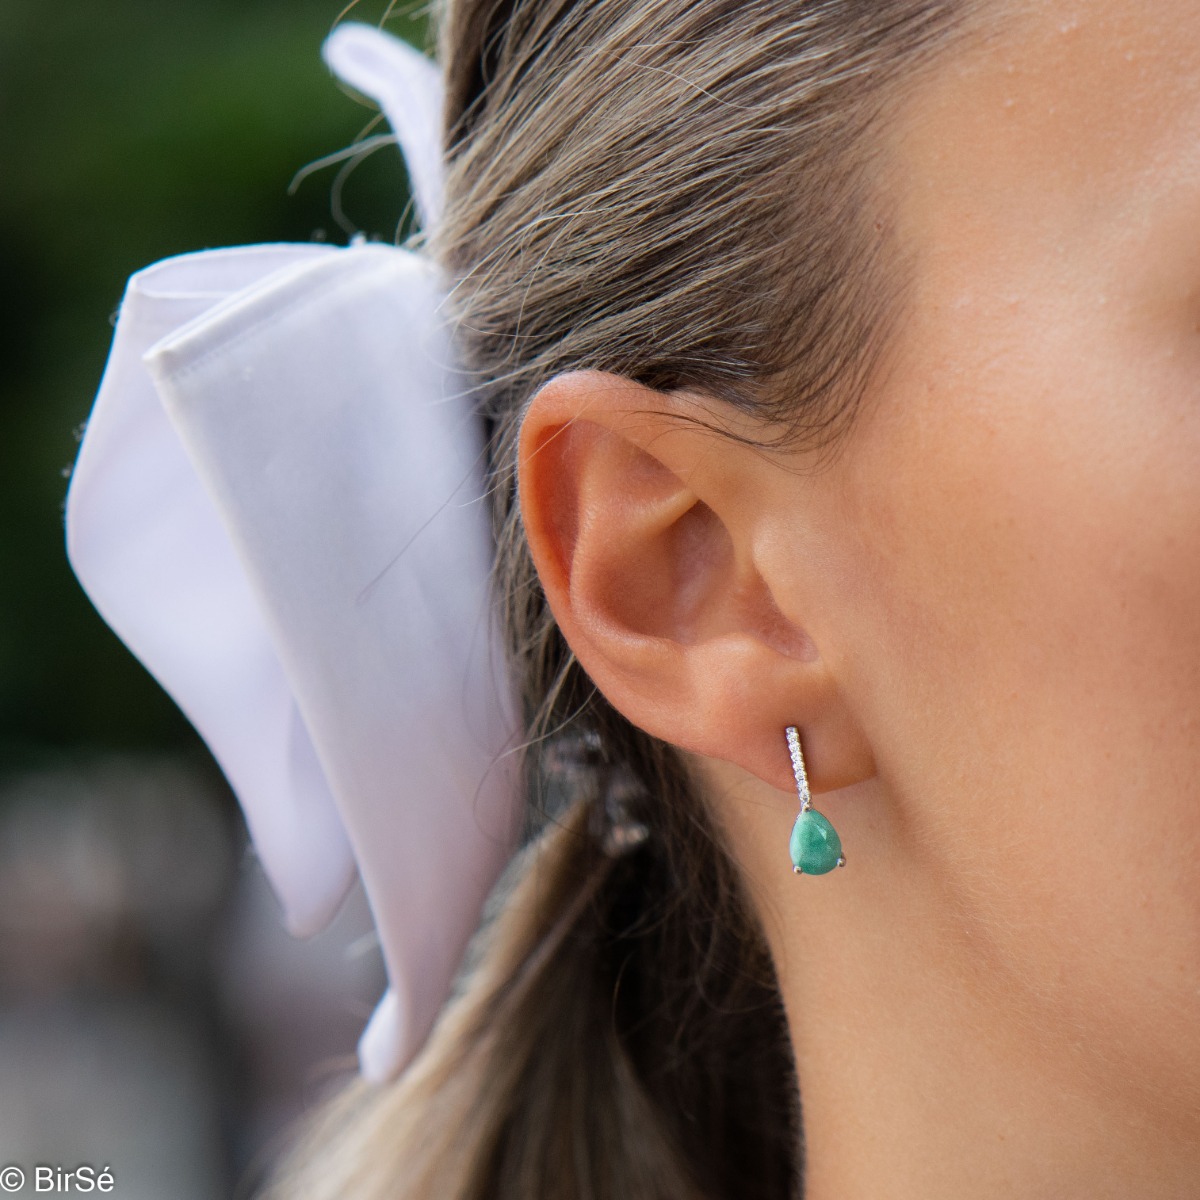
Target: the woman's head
pixel 983 609
pixel 840 361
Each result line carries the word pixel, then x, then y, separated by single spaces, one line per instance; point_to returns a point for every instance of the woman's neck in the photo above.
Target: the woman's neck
pixel 925 1072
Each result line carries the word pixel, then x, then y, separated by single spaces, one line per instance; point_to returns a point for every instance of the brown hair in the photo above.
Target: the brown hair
pixel 681 192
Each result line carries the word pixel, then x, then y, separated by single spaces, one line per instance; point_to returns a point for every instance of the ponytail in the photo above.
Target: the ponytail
pixel 613 1039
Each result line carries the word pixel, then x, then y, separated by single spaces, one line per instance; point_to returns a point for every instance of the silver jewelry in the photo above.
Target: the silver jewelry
pixel 815 846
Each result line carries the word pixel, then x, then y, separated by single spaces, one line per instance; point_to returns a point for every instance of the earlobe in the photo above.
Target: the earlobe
pixel 643 523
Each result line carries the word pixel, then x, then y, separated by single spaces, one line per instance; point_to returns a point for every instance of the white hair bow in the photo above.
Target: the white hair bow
pixel 278 505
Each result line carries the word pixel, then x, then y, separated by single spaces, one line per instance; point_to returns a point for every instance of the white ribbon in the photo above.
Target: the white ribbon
pixel 278 505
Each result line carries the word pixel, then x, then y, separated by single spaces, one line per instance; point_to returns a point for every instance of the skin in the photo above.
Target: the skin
pixel 984 616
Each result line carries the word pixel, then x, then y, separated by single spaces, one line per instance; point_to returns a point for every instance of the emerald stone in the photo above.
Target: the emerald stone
pixel 815 845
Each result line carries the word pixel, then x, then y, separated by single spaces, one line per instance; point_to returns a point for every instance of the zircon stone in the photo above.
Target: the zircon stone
pixel 815 845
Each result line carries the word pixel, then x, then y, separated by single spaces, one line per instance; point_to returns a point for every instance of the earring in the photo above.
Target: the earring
pixel 815 845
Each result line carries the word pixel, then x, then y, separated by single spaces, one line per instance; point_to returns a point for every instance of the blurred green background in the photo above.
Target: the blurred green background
pixel 153 1014
pixel 133 130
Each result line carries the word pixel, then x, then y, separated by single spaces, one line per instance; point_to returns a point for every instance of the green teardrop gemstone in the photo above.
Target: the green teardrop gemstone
pixel 815 845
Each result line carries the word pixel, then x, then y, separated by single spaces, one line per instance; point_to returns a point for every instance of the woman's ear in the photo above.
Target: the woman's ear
pixel 644 524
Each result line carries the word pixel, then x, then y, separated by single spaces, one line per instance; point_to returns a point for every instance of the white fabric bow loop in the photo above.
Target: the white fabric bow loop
pixel 278 505
pixel 408 88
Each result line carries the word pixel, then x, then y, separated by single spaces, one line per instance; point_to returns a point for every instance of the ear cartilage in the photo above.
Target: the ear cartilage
pixel 814 845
